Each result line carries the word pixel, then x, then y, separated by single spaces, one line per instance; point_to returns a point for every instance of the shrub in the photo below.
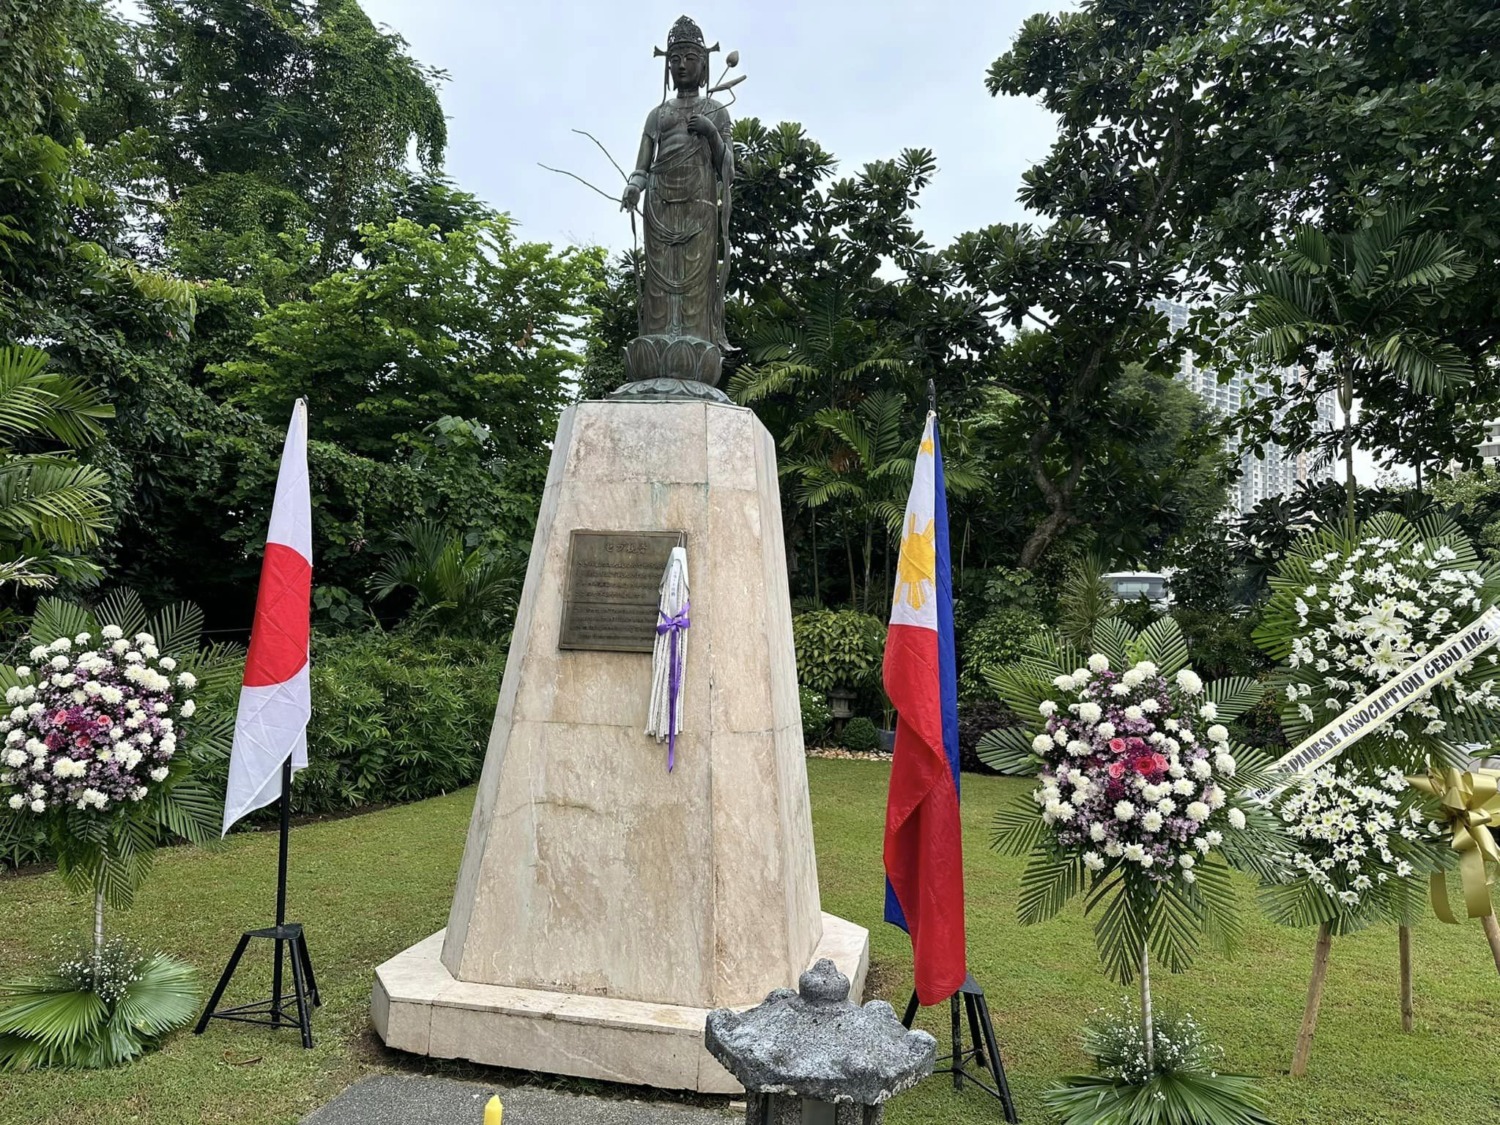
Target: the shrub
pixel 976 718
pixel 1222 643
pixel 395 717
pixel 1138 613
pixel 1260 726
pixel 996 640
pixel 859 734
pixel 838 649
pixel 815 713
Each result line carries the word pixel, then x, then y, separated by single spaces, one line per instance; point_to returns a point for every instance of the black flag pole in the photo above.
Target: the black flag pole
pixel 288 939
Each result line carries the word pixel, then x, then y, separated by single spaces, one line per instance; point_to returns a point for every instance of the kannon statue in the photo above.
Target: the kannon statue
pixel 682 184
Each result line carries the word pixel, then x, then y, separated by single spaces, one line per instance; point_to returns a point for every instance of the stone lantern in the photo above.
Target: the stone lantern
pixel 811 1057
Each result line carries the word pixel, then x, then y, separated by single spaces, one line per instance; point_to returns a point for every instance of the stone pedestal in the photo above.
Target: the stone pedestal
pixel 605 906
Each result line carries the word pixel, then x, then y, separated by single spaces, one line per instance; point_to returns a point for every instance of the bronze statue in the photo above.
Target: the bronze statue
pixel 682 180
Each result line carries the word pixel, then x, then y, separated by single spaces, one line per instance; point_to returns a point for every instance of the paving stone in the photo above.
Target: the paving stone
pixel 388 1099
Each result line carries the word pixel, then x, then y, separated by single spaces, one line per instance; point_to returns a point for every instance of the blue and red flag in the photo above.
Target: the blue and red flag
pixel 924 856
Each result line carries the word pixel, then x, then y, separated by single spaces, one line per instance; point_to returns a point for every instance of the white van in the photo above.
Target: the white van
pixel 1132 585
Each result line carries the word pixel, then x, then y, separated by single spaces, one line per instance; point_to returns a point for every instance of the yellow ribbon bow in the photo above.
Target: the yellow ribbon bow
pixel 1471 806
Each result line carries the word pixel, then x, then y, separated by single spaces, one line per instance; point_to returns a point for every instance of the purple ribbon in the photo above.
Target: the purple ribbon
pixel 673 624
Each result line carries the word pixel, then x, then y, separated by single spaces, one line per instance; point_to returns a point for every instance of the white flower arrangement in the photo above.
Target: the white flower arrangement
pixel 1348 614
pixel 90 729
pixel 1357 831
pixel 1110 776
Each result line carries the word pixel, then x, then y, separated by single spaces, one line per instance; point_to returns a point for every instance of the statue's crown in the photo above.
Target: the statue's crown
pixel 685 31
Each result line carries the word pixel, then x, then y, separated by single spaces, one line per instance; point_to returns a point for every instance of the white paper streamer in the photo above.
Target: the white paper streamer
pixel 664 720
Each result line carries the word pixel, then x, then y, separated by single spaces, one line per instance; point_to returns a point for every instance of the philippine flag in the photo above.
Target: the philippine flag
pixel 276 700
pixel 924 859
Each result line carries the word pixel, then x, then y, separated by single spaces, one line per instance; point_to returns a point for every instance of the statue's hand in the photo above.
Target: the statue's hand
pixel 630 198
pixel 700 125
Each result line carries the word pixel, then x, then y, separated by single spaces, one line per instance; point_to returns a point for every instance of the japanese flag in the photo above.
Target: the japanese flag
pixel 276 700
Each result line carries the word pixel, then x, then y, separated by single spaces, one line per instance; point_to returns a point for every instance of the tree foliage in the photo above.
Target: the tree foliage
pixel 51 507
pixel 209 212
pixel 285 123
pixel 430 324
pixel 1079 291
pixel 1316 112
pixel 1349 311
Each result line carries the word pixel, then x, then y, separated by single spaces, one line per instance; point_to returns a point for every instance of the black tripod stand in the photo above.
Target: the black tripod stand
pixel 288 938
pixel 985 1051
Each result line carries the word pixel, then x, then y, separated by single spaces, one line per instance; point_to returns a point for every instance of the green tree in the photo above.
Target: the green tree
pixel 864 474
pixel 1472 499
pixel 454 589
pixel 469 323
pixel 1319 112
pixel 1213 129
pixel 1164 472
pixel 1311 108
pixel 837 297
pixel 286 123
pixel 1080 290
pixel 612 323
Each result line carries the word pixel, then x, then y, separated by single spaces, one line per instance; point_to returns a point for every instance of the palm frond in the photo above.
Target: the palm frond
pixel 56 617
pixel 1119 930
pixel 1047 884
pixel 1172 1098
pixel 55 1018
pixel 1007 750
pixel 1175 920
pixel 162 998
pixel 1162 643
pixel 1298 904
pixel 1018 827
pixel 52 499
pixel 177 627
pixel 1115 639
pixel 123 607
pixel 1233 696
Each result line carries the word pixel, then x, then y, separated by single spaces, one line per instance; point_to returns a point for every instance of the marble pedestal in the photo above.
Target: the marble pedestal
pixel 605 906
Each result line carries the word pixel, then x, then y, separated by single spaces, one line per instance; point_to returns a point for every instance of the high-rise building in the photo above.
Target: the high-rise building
pixel 1489 448
pixel 1276 473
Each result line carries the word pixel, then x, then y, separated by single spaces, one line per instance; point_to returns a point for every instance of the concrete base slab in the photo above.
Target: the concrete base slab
pixel 418 1006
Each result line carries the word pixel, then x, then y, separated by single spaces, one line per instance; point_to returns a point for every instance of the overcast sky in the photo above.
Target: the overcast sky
pixel 866 78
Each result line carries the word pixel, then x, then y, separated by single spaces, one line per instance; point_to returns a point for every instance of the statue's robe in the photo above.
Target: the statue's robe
pixel 682 288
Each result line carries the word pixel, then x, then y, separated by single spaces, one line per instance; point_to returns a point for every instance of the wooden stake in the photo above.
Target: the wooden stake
pixel 1492 931
pixel 1404 935
pixel 1314 1001
pixel 1148 1028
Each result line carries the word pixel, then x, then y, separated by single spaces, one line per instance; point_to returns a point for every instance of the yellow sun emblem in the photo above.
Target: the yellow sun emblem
pixel 916 570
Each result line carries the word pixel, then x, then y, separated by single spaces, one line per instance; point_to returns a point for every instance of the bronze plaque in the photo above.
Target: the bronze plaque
pixel 614 589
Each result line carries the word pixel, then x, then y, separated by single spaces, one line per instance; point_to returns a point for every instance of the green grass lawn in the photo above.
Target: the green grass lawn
pixel 371 885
